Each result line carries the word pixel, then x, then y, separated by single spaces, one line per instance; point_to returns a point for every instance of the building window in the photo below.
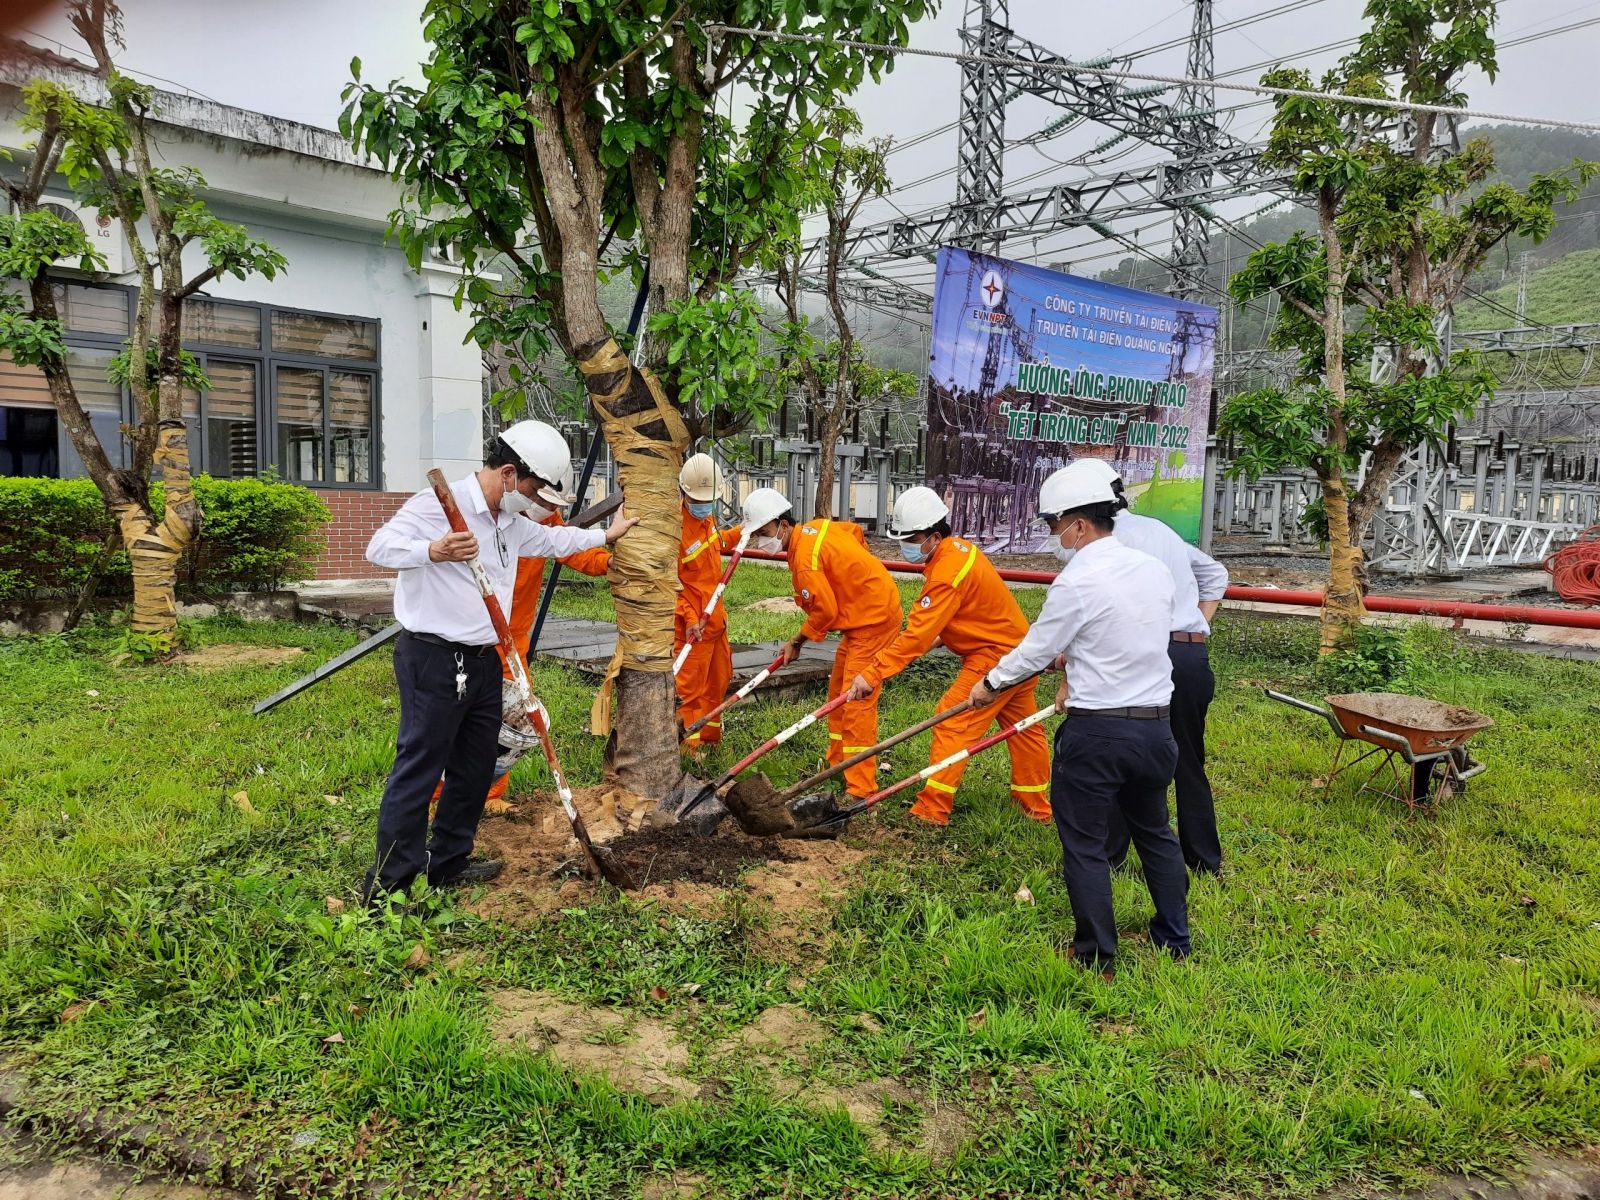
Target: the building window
pixel 296 392
pixel 218 323
pixel 324 337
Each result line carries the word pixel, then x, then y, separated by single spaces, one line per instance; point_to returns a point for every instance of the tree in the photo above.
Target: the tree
pixel 103 148
pixel 561 136
pixel 840 173
pixel 1400 230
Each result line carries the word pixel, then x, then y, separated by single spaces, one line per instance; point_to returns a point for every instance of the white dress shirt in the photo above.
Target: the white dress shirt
pixel 1196 576
pixel 1110 612
pixel 440 597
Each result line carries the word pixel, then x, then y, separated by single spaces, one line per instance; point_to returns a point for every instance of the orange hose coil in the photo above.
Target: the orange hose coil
pixel 1575 568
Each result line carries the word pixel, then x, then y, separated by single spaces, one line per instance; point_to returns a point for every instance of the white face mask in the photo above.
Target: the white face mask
pixel 767 545
pixel 537 511
pixel 1064 553
pixel 513 501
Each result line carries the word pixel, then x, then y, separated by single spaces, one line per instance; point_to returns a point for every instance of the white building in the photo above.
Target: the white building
pixel 350 373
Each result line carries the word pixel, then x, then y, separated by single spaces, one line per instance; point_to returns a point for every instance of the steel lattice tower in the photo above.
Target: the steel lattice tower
pixel 1194 127
pixel 981 135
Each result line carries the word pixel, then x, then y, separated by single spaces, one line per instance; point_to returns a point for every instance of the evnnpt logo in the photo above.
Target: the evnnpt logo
pixel 992 289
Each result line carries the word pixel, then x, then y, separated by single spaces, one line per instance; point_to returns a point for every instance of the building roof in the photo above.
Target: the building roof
pixel 21 62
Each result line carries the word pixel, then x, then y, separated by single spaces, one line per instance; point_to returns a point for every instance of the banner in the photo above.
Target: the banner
pixel 1030 369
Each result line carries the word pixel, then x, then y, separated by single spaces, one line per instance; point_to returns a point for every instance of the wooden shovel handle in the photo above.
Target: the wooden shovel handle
pixel 458 523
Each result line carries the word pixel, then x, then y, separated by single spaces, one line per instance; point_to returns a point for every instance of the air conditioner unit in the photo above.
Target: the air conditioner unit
pixel 103 230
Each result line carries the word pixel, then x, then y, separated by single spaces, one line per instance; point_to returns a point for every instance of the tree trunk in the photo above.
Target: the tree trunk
pixel 154 547
pixel 1342 609
pixel 648 438
pixel 827 463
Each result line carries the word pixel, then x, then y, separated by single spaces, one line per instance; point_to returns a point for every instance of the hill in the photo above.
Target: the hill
pixel 1563 292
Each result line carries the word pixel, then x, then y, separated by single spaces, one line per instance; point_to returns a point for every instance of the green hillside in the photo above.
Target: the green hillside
pixel 1564 292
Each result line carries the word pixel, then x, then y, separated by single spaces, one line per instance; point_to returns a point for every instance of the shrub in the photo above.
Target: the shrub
pixel 1378 659
pixel 257 534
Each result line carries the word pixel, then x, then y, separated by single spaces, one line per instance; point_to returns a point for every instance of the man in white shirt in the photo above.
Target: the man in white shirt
pixel 446 663
pixel 1200 582
pixel 1107 618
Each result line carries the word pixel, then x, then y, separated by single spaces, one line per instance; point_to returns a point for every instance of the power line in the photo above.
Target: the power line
pixel 1070 68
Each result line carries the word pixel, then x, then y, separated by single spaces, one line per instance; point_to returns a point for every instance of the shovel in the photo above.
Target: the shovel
pixel 756 681
pixel 711 604
pixel 717 785
pixel 928 772
pixel 760 809
pixel 612 871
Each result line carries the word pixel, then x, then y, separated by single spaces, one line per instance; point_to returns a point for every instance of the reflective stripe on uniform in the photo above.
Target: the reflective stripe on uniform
pixel 942 787
pixel 836 737
pixel 854 749
pixel 695 550
pixel 816 545
pixel 1031 787
pixel 972 557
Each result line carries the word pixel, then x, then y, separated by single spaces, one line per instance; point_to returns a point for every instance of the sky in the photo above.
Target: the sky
pixel 290 58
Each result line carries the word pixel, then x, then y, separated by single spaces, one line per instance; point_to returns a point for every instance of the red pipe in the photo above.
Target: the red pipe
pixel 1515 614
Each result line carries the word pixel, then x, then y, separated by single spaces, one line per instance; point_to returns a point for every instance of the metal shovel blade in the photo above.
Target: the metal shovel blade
pixel 817 815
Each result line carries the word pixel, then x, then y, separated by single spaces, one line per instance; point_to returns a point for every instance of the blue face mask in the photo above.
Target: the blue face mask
pixel 700 510
pixel 912 552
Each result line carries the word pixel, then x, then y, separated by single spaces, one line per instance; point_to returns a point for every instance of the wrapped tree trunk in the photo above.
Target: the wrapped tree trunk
pixel 648 437
pixel 155 547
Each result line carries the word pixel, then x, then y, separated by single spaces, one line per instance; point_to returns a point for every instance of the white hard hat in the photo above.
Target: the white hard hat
pixel 764 505
pixel 700 478
pixel 917 509
pixel 544 452
pixel 1075 485
pixel 1098 468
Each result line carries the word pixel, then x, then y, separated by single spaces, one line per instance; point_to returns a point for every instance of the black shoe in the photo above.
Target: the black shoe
pixel 477 870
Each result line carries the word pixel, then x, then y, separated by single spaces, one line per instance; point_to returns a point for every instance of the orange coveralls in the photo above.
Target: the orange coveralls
pixel 841 585
pixel 967 604
pixel 525 607
pixel 706 673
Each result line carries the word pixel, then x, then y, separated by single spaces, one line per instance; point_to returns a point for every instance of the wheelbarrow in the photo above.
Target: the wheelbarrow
pixel 1419 744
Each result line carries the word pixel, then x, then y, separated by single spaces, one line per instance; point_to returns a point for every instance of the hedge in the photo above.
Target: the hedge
pixel 258 534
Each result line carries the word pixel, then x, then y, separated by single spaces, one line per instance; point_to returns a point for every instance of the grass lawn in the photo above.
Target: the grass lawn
pixel 1372 993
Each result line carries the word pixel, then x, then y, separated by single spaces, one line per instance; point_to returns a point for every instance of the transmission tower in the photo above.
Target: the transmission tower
pixel 980 178
pixel 1194 122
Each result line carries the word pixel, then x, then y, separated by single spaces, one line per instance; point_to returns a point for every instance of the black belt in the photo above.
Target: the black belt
pixel 458 647
pixel 1189 637
pixel 1153 712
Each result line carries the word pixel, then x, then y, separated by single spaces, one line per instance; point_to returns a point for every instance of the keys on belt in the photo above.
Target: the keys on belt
pixel 1153 712
pixel 460 648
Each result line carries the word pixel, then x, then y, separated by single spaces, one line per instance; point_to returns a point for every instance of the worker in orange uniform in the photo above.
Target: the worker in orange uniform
pixel 841 586
pixel 704 677
pixel 530 574
pixel 967 605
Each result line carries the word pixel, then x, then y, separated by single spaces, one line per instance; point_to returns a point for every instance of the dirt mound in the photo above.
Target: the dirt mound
pixel 236 654
pixel 660 856
pixel 783 605
pixel 637 1054
pixel 545 869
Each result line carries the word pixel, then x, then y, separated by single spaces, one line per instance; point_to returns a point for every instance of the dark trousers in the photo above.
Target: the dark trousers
pixel 1106 765
pixel 440 732
pixel 1193 689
